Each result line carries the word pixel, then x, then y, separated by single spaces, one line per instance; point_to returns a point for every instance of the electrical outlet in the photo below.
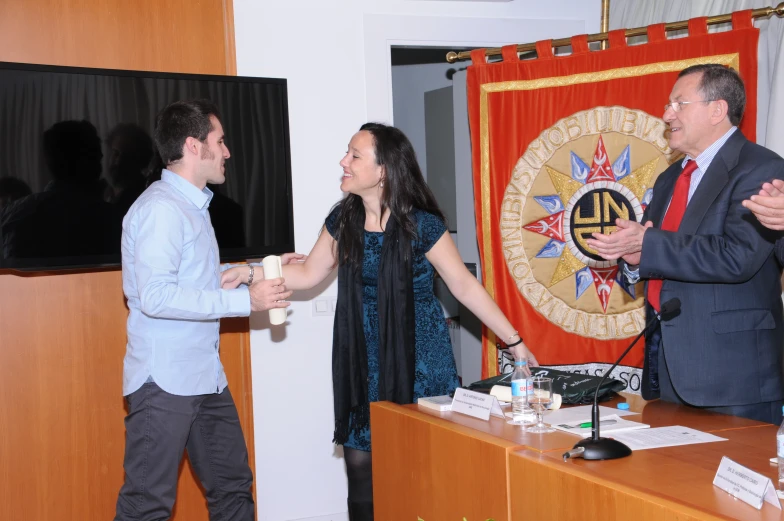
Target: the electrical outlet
pixel 324 306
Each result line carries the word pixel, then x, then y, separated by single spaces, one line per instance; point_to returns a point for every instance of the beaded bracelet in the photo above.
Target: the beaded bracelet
pixel 250 274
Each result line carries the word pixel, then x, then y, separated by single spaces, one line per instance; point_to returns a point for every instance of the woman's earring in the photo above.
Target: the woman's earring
pixel 381 184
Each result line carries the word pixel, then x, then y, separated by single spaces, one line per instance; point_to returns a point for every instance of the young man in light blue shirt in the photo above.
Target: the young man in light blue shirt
pixel 173 378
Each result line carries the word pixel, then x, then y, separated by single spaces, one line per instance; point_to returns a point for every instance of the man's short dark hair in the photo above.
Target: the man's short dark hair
pixel 720 82
pixel 179 121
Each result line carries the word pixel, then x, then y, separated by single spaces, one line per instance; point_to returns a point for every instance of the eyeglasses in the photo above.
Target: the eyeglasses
pixel 676 106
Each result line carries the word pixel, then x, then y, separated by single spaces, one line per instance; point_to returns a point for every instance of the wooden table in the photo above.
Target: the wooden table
pixel 448 466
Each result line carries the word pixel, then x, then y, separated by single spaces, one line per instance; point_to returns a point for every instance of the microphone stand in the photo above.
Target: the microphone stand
pixel 596 447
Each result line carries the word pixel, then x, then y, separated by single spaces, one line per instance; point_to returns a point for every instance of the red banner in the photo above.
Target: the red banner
pixel 561 147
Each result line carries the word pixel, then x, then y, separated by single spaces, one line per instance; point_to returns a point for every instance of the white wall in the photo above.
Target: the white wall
pixel 333 55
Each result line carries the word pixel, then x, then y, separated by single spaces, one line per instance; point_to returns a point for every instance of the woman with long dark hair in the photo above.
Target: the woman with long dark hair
pixel 387 238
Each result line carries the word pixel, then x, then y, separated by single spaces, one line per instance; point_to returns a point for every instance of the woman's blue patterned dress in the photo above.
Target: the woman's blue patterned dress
pixel 435 369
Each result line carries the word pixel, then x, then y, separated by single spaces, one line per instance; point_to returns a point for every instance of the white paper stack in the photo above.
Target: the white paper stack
pixel 437 403
pixel 608 424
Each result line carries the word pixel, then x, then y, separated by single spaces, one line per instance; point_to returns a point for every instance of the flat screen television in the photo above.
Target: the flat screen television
pixel 76 151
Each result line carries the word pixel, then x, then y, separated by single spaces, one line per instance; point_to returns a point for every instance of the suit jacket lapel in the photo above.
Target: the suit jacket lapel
pixel 661 199
pixel 712 183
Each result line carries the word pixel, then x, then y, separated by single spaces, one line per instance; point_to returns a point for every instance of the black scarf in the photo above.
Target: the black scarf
pixel 396 335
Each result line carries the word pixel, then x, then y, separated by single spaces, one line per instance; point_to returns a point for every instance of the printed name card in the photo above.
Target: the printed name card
pixel 476 404
pixel 748 486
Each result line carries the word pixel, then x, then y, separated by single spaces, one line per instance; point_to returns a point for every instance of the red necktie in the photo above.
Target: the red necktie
pixel 671 222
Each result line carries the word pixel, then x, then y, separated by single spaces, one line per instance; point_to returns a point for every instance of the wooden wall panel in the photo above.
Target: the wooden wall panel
pixel 62 335
pixel 61 419
pixel 157 35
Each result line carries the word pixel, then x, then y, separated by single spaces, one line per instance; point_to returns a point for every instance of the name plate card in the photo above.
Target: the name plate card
pixel 478 405
pixel 748 486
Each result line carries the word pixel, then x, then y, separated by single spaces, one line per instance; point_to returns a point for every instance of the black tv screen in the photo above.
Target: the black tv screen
pixel 76 151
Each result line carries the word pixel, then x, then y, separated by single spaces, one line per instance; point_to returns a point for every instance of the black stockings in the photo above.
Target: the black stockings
pixel 359 467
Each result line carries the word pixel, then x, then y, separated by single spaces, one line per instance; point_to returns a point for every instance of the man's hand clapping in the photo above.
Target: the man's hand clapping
pixel 768 205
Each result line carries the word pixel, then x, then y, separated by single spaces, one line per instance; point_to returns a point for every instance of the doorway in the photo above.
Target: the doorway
pixel 429 106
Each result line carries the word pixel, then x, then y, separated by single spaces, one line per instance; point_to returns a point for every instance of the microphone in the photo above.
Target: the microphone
pixel 596 447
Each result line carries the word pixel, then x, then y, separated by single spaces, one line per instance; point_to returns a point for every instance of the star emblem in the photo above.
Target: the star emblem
pixel 588 200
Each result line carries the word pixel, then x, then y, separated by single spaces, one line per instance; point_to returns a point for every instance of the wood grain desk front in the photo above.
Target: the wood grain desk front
pixel 447 466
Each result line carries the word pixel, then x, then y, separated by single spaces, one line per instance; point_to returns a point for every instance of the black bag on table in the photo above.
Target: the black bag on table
pixel 574 388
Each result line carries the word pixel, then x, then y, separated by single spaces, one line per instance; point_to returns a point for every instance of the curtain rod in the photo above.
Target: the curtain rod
pixel 763 12
pixel 605 23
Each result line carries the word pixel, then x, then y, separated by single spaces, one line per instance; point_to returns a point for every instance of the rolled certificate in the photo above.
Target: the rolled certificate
pixel 272 270
pixel 504 394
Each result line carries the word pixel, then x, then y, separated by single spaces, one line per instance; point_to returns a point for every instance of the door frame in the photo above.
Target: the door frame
pixel 381 32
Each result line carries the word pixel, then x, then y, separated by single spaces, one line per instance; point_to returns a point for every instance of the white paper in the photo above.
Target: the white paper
pixel 611 423
pixel 495 408
pixel 478 405
pixel 437 403
pixel 581 414
pixel 671 436
pixel 745 484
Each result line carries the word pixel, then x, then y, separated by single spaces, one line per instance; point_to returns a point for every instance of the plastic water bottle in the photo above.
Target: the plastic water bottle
pixel 780 452
pixel 521 388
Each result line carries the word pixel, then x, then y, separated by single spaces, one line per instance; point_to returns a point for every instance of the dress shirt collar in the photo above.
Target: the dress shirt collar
pixel 706 157
pixel 200 198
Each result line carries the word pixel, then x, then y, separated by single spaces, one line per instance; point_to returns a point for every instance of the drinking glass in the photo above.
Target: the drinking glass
pixel 539 400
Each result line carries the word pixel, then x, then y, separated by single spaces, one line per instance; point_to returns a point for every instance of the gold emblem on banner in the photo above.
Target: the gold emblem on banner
pixel 576 178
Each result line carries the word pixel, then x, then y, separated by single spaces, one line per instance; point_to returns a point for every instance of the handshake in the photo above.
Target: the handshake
pixel 265 294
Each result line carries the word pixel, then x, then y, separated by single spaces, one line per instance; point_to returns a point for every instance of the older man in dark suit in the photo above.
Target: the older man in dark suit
pixel 701 245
